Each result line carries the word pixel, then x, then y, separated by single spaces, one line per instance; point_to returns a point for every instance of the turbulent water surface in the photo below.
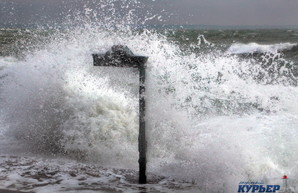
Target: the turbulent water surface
pixel 221 109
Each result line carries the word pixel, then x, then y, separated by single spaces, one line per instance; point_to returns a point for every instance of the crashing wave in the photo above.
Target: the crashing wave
pixel 255 48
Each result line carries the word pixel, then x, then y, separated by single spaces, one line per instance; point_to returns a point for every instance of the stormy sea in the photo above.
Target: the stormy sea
pixel 222 108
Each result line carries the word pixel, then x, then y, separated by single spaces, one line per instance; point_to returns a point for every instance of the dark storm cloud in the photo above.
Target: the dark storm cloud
pixel 196 12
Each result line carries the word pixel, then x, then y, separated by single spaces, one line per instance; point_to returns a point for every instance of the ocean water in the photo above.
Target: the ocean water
pixel 221 108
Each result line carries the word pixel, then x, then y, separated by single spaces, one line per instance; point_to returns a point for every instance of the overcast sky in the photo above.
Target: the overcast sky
pixel 181 12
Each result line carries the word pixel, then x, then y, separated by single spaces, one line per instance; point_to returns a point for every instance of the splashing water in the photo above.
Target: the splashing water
pixel 211 118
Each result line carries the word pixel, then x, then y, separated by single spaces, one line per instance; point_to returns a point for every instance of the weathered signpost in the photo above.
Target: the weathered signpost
pixel 121 56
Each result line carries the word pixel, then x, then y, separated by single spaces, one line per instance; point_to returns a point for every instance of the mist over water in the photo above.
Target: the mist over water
pixel 213 117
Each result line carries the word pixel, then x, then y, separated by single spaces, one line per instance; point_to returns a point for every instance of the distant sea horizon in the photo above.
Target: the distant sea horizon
pixel 169 26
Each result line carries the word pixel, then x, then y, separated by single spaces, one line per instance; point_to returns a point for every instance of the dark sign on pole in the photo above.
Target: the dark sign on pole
pixel 121 56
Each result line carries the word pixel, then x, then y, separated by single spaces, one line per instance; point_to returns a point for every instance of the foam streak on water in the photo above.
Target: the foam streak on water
pixel 257 48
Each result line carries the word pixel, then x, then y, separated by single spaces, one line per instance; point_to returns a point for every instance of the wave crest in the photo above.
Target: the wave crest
pixel 255 48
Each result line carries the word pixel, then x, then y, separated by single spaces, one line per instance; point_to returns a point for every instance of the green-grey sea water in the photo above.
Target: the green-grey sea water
pixel 14 41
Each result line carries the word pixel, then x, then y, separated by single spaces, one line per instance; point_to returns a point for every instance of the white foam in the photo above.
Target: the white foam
pixel 62 175
pixel 251 48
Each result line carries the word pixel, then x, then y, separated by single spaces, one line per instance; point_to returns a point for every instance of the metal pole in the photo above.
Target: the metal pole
pixel 121 56
pixel 142 131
